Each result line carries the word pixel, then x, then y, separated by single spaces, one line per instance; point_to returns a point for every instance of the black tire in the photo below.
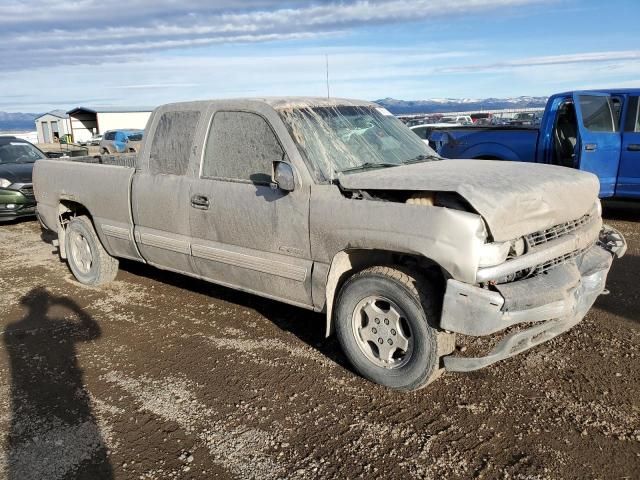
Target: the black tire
pixel 419 301
pixel 101 268
pixel 104 151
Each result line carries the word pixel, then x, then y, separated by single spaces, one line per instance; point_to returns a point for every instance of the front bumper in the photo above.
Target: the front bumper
pixel 554 301
pixel 23 206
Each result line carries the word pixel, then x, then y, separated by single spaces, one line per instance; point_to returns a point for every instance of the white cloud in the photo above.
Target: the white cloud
pixel 77 32
pixel 551 60
pixel 408 72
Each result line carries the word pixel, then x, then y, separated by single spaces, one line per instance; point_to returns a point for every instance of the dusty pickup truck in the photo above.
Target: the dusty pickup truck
pixel 335 206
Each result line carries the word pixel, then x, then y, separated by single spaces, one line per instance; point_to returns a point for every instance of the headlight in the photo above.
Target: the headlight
pixel 4 183
pixel 494 254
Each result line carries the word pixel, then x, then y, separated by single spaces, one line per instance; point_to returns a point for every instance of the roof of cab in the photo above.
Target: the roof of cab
pixel 282 103
pixel 611 91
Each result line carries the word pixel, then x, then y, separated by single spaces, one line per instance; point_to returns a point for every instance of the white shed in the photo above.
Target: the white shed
pixel 85 121
pixel 52 125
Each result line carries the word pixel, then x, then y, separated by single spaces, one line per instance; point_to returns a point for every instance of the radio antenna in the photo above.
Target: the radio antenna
pixel 327 65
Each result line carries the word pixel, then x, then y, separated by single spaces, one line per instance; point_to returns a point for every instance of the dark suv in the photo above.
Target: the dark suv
pixel 17 157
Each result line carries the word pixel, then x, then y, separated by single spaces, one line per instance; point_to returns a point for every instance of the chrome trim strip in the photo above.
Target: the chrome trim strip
pixel 259 264
pixel 116 232
pixel 165 243
pixel 577 240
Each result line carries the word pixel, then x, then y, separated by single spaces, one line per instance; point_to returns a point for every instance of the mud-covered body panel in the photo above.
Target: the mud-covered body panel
pixel 439 234
pixel 514 199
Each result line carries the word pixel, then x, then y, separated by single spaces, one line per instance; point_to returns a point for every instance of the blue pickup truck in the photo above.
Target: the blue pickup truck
pixel 596 131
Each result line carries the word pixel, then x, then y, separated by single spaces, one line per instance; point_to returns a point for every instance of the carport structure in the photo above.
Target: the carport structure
pixel 86 121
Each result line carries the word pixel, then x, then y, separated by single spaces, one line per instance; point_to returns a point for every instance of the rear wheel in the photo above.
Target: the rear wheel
pixel 88 260
pixel 384 319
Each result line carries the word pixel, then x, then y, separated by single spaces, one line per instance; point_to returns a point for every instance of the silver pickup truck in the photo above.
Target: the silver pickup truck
pixel 335 206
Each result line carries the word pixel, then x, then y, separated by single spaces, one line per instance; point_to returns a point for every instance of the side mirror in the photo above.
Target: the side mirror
pixel 282 177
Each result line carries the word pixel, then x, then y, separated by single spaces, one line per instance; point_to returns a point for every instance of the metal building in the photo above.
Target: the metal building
pixel 85 121
pixel 52 126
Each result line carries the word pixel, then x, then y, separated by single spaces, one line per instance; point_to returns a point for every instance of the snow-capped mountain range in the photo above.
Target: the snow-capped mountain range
pixel 442 105
pixel 14 122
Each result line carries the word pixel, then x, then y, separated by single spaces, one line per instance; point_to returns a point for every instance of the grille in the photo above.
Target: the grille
pixel 544 236
pixel 549 264
pixel 27 191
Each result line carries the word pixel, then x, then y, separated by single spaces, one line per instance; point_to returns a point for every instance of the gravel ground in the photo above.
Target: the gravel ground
pixel 161 376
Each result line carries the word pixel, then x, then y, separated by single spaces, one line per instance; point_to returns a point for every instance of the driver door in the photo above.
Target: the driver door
pixel 599 146
pixel 245 233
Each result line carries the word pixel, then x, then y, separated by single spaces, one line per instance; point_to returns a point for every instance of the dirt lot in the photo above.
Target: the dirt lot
pixel 160 376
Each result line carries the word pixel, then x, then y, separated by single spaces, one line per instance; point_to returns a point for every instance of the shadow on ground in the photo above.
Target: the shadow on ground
pixel 625 210
pixel 53 433
pixel 308 326
pixel 622 283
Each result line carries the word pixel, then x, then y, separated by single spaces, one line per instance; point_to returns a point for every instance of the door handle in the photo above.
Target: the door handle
pixel 633 147
pixel 200 202
pixel 591 147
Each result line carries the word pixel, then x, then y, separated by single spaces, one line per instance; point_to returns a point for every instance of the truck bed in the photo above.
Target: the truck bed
pixel 126 160
pixel 517 143
pixel 101 184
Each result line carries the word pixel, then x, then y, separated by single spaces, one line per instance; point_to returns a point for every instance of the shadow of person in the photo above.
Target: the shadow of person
pixel 622 283
pixel 54 433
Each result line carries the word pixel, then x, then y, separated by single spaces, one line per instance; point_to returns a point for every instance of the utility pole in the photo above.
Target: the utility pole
pixel 327 67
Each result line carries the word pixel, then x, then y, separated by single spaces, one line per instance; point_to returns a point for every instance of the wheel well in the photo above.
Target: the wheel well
pixel 66 211
pixel 348 262
pixel 487 157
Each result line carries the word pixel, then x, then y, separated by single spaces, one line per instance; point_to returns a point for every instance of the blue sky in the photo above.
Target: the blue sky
pixel 148 52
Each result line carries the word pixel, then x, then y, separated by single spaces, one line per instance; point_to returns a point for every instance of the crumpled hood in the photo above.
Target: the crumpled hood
pixel 16 172
pixel 514 198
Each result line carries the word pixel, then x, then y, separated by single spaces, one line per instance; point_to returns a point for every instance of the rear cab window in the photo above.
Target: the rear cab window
pixel 172 140
pixel 632 123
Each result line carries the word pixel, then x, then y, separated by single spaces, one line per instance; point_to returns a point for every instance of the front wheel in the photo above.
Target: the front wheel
pixel 384 319
pixel 88 260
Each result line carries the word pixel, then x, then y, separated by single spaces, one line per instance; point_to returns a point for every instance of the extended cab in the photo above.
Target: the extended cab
pixel 594 131
pixel 336 206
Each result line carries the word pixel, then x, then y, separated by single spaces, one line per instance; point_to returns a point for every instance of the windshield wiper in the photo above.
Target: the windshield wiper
pixel 421 158
pixel 367 165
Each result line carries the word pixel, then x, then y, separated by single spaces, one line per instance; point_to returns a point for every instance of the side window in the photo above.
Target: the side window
pixel 109 135
pixel 171 143
pixel 632 123
pixel 596 113
pixel 240 146
pixel 421 132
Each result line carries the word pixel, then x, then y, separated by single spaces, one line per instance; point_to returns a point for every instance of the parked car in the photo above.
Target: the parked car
pixel 594 131
pixel 94 140
pixel 17 158
pixel 456 119
pixel 121 141
pixel 400 248
pixel 526 118
pixel 481 118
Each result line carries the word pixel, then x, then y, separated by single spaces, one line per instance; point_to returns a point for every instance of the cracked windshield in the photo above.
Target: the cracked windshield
pixel 347 139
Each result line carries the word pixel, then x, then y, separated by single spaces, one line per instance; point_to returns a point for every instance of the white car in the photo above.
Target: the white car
pixel 456 120
pixel 94 140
